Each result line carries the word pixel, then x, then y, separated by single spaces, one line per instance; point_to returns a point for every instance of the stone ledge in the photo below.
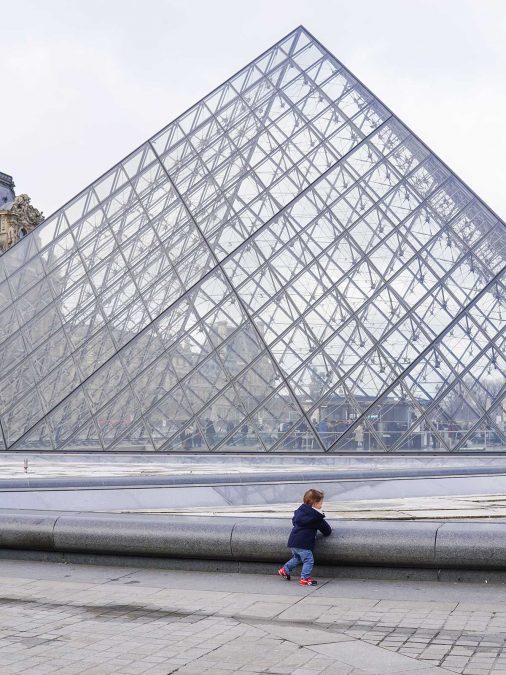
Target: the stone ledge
pixel 424 545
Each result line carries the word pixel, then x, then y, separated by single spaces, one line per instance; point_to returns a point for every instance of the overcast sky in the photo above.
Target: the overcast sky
pixel 86 81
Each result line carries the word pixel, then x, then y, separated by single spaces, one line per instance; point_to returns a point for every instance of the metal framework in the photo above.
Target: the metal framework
pixel 285 267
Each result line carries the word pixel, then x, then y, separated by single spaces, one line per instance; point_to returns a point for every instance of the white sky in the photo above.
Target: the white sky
pixel 86 81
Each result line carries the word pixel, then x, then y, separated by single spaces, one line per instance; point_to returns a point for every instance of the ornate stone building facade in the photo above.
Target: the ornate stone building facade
pixel 17 216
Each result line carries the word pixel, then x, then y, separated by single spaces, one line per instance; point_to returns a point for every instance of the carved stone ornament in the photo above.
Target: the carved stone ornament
pixel 19 218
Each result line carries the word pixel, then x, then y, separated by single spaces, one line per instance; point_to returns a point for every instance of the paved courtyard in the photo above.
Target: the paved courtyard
pixel 435 507
pixel 60 618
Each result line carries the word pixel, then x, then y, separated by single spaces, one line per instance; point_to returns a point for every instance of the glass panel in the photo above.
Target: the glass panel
pixel 59 384
pixel 39 438
pixel 16 383
pixel 22 417
pixel 168 417
pixel 115 418
pixel 69 416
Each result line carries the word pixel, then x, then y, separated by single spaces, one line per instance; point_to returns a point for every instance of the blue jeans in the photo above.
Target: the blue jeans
pixel 301 556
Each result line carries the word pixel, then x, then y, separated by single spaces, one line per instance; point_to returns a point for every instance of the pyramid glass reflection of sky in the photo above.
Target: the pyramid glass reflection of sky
pixel 283 268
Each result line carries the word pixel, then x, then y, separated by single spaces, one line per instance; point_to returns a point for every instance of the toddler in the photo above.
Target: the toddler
pixel 307 519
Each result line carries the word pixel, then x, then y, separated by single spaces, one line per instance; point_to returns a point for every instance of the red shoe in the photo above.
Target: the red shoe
pixel 283 573
pixel 307 582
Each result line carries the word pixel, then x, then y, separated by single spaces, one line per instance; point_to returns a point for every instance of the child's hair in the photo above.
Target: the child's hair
pixel 313 496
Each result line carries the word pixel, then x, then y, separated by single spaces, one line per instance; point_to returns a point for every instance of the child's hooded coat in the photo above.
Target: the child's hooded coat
pixel 306 521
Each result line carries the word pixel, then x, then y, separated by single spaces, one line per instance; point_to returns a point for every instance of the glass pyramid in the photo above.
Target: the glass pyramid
pixel 284 268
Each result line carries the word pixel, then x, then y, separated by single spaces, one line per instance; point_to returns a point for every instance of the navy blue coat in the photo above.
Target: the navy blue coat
pixel 306 521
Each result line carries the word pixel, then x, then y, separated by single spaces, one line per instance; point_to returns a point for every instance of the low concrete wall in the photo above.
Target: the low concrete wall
pixel 429 545
pixel 303 475
pixel 113 494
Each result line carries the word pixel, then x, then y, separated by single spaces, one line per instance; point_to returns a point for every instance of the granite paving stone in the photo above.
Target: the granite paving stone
pixel 87 619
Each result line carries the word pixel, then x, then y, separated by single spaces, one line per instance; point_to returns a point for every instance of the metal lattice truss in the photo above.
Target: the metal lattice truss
pixel 285 267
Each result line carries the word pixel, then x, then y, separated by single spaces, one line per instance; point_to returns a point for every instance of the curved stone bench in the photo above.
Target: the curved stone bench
pixel 429 545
